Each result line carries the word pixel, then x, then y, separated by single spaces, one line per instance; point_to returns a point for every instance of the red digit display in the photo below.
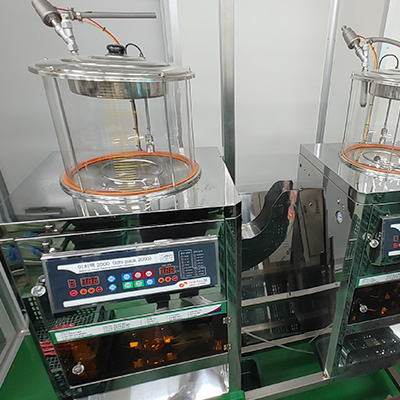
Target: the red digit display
pixel 167 270
pixel 93 280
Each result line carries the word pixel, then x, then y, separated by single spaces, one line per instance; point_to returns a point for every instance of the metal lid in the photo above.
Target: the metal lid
pixel 383 82
pixel 111 68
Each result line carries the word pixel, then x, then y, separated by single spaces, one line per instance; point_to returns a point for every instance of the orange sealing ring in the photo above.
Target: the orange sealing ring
pixel 368 145
pixel 68 182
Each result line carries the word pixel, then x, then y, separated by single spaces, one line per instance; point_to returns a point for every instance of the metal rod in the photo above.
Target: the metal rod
pixel 146 108
pixel 169 137
pixel 286 388
pixel 383 40
pixel 106 14
pixel 328 66
pixel 135 124
pixel 190 121
pixel 68 136
pixel 227 71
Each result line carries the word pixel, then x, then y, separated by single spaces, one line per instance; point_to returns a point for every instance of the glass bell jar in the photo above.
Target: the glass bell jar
pixel 371 137
pixel 124 125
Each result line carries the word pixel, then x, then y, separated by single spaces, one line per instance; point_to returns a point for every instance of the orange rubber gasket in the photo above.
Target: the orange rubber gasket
pixel 368 145
pixel 68 182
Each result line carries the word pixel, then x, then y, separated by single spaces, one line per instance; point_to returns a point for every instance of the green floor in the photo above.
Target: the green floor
pixel 27 379
pixel 279 365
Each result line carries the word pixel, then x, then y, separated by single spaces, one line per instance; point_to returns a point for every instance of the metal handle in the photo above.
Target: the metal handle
pixel 106 14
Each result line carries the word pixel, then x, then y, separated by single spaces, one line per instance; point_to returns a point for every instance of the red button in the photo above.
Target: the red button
pixel 83 291
pixel 99 289
pixel 137 275
pixel 149 274
pixel 167 279
pixel 174 278
pixel 91 290
pixel 181 285
pixel 395 245
pixel 73 293
pixel 395 238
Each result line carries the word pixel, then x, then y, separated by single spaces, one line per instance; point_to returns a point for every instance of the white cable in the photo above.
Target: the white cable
pixel 278 345
pixel 321 332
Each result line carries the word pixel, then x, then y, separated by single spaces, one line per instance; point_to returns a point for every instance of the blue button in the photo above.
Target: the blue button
pixel 111 278
pixel 126 277
pixel 113 287
pixel 150 282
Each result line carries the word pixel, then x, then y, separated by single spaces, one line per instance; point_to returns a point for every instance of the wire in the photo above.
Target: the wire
pixel 278 345
pixel 135 45
pixel 90 21
pixel 387 55
pixel 320 332
pixel 95 24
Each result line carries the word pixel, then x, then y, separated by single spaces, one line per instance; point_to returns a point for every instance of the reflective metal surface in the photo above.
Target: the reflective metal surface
pixel 363 209
pixel 13 325
pixel 197 385
pixel 40 197
pixel 48 220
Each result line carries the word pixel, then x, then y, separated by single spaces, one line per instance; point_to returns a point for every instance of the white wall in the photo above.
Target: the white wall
pixel 280 50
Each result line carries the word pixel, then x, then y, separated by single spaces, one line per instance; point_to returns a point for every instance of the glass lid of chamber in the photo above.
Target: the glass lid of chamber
pixel 111 67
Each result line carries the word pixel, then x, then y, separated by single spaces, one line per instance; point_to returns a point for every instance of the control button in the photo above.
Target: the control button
pixel 91 290
pixel 113 287
pixel 160 280
pixel 150 282
pixel 127 285
pixel 174 278
pixel 139 283
pixel 71 283
pixel 181 285
pixel 148 274
pixel 99 289
pixel 126 277
pixel 168 279
pixel 395 238
pixel 111 278
pixel 395 245
pixel 83 291
pixel 137 275
pixel 73 293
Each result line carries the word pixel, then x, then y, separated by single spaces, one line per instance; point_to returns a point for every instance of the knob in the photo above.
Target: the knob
pixel 78 368
pixel 363 308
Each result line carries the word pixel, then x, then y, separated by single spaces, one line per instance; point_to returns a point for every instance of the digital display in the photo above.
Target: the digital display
pixel 93 280
pixel 167 270
pixel 71 283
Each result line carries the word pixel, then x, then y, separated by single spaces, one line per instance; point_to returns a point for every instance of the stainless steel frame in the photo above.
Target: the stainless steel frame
pixel 211 202
pixel 13 324
pixel 227 68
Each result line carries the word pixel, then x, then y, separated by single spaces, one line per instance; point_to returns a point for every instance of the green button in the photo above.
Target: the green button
pixel 127 285
pixel 139 283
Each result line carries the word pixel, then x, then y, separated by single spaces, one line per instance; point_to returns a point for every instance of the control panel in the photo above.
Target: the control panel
pixel 391 236
pixel 78 278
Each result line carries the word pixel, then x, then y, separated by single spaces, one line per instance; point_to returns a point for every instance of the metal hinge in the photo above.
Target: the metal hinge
pixel 226 320
pixel 227 346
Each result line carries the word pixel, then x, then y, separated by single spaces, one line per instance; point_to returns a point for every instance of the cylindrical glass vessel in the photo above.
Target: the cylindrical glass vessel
pixel 124 126
pixel 371 137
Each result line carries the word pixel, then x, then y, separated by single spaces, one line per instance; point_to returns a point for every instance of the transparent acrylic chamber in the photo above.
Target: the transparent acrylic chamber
pixel 124 125
pixel 371 137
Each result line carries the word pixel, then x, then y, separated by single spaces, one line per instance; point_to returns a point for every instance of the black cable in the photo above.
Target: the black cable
pixel 387 55
pixel 135 45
